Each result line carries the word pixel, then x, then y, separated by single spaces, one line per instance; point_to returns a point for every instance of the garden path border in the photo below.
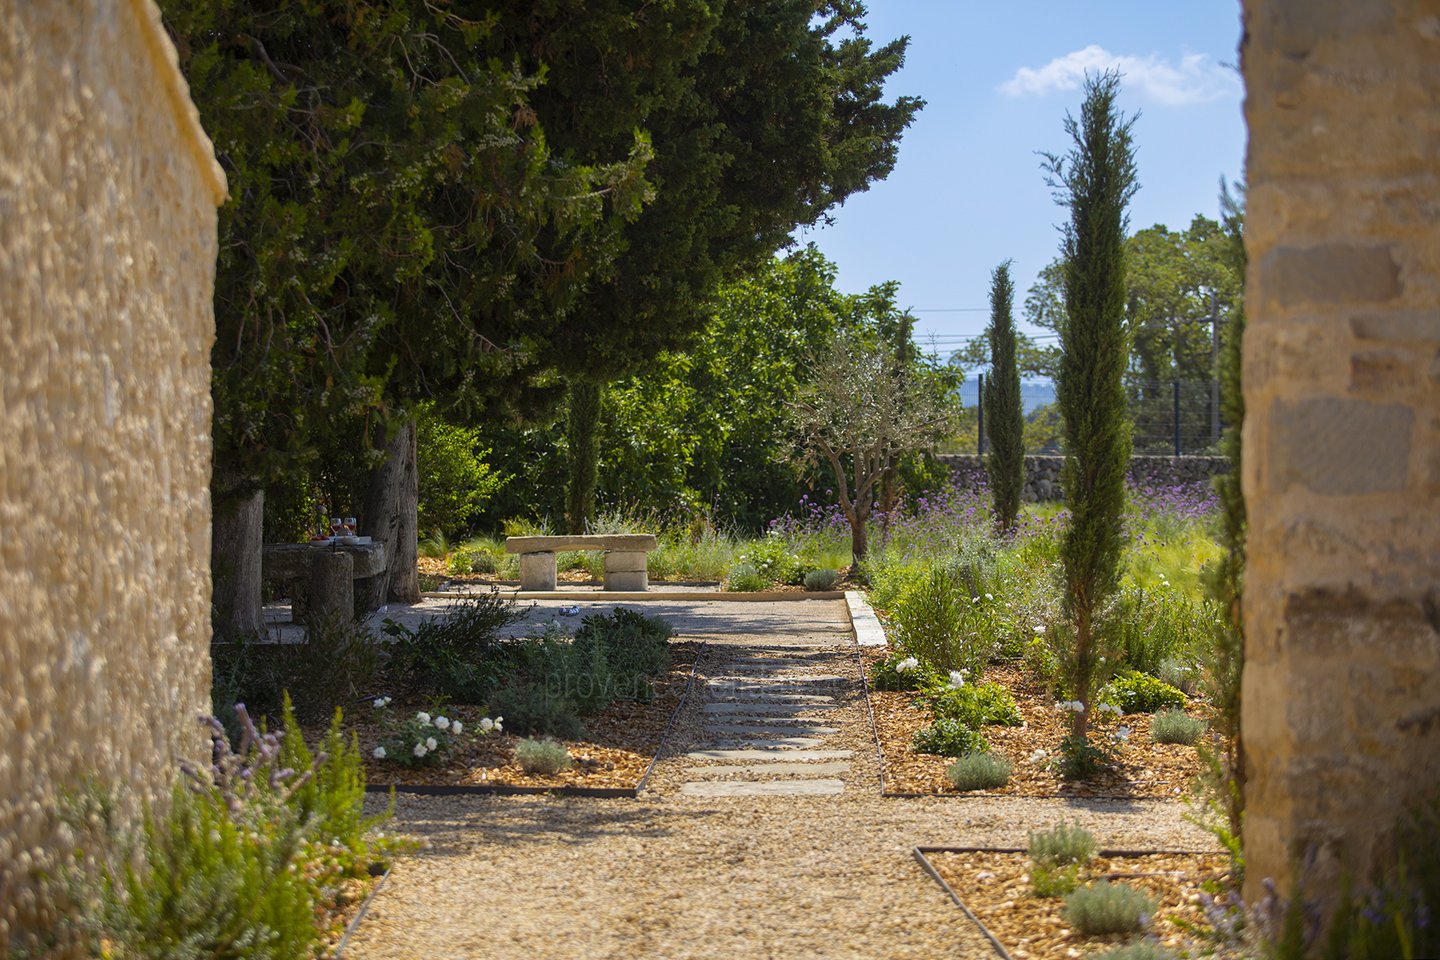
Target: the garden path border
pixel 597 793
pixel 921 854
pixel 354 923
pixel 764 596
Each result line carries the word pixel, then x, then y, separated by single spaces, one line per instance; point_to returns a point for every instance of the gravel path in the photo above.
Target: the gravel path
pixel 676 875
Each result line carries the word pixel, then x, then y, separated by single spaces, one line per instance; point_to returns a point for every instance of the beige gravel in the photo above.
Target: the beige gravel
pixel 675 877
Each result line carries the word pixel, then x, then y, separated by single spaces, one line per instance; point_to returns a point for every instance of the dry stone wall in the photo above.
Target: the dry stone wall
pixel 108 196
pixel 1042 473
pixel 1342 437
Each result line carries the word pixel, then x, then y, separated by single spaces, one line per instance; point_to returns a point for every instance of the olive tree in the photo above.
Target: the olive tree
pixel 862 409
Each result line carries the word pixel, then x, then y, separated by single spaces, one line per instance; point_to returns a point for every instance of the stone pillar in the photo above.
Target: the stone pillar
pixel 1342 436
pixel 331 596
pixel 537 571
pixel 626 570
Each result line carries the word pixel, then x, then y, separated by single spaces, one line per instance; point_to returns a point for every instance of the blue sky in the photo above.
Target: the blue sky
pixel 998 79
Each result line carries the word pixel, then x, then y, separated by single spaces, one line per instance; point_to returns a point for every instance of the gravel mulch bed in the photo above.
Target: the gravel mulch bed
pixel 995 886
pixel 619 743
pixel 1145 769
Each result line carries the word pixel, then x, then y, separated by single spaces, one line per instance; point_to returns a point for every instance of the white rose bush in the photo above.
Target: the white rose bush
pixel 425 738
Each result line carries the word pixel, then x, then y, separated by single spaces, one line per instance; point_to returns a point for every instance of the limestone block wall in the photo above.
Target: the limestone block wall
pixel 1042 473
pixel 1342 437
pixel 108 196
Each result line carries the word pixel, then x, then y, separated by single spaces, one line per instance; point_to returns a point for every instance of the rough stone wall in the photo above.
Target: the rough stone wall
pixel 1342 437
pixel 1042 473
pixel 108 196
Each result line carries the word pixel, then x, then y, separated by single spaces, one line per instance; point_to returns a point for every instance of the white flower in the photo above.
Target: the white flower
pixel 456 727
pixel 974 599
pixel 989 596
pixel 906 665
pixel 423 717
pixel 486 725
pixel 1122 734
pixel 957 679
pixel 1109 708
pixel 378 753
pixel 381 702
pixel 1039 628
pixel 420 750
pixel 442 723
pixel 497 723
pixel 1038 756
pixel 430 743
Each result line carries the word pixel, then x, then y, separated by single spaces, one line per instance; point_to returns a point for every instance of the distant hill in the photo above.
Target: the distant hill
pixel 1033 394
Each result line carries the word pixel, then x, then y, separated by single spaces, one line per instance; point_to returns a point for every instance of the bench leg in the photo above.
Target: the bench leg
pixel 625 570
pixel 537 571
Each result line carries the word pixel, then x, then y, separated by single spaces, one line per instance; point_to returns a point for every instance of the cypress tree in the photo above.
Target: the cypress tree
pixel 1004 420
pixel 584 423
pixel 1095 180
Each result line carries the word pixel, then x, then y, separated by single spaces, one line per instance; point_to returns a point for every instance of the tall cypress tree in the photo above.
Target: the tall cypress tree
pixel 1004 420
pixel 1095 180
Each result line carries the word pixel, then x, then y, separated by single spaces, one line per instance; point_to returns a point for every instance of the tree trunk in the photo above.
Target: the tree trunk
pixel 584 453
pixel 392 502
pixel 859 542
pixel 332 589
pixel 235 542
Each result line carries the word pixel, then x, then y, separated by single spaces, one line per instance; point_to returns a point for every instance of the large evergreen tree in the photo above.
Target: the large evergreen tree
pixel 776 120
pixel 1095 181
pixel 1004 418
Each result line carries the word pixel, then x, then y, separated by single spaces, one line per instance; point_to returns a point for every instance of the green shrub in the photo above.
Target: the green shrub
pixel 1158 624
pixel 1135 692
pixel 1138 950
pixel 818 581
pixel 1080 758
pixel 976 705
pixel 979 771
pixel 542 756
pixel 1175 726
pixel 336 663
pixel 949 738
pixel 1062 844
pixel 429 582
pixel 1180 674
pixel 455 480
pixel 532 708
pixel 1105 907
pixel 459 655
pixel 1055 881
pixel 930 621
pixel 899 671
pixel 744 578
pixel 773 561
pixel 247 850
pixel 461 563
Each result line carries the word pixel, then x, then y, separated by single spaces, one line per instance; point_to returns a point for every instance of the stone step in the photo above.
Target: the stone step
pixel 824 768
pixel 752 707
pixel 769 756
pixel 764 788
pixel 798 682
pixel 765 696
pixel 763 730
pixel 768 743
pixel 777 720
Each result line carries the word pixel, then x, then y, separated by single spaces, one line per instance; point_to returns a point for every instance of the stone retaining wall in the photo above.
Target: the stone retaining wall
pixel 1042 473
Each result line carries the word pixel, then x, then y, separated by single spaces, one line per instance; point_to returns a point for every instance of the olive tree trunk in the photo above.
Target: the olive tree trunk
pixel 390 513
pixel 236 539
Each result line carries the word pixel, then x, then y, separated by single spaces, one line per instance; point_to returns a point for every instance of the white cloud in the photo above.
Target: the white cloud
pixel 1195 79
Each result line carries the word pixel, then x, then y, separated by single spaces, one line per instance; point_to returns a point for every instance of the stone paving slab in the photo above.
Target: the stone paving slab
pixel 820 768
pixel 769 743
pixel 766 697
pixel 792 721
pixel 791 709
pixel 762 730
pixel 777 756
pixel 764 788
pixel 801 682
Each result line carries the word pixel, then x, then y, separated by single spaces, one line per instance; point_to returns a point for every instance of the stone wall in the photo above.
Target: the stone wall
pixel 108 196
pixel 1042 473
pixel 1342 439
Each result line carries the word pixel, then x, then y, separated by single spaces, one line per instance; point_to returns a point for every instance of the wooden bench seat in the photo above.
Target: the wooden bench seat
pixel 625 567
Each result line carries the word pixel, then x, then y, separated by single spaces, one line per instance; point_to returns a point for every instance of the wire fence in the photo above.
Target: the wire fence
pixel 1169 417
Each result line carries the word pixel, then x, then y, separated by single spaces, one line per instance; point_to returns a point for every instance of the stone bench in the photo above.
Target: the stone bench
pixel 328 580
pixel 624 558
